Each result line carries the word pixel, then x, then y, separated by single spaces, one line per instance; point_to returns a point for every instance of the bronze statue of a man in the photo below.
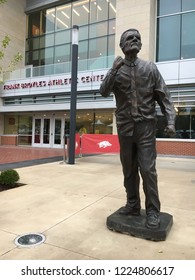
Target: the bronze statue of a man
pixel 137 86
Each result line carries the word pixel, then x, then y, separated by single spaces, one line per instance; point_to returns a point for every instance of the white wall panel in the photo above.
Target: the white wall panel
pixel 178 72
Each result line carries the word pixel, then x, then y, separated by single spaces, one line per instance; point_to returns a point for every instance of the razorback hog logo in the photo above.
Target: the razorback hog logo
pixel 104 144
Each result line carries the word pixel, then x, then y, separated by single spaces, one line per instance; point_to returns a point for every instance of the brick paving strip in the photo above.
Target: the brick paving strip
pixel 12 157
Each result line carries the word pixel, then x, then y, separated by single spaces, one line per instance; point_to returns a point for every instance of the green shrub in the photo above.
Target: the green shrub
pixel 9 177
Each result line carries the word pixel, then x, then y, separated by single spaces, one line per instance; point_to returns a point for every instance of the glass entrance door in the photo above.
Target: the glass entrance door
pixel 57 133
pixel 37 132
pixel 41 132
pixel 46 132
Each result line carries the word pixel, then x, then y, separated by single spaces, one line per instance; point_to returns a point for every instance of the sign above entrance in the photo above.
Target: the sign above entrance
pixel 87 81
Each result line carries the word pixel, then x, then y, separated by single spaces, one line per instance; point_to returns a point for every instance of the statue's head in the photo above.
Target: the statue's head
pixel 130 41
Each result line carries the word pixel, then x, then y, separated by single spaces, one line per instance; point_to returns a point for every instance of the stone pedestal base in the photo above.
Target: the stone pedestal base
pixel 135 225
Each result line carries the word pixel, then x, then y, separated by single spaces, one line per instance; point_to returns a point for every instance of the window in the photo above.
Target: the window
pixel 188 36
pixel 168 39
pixel 111 27
pixel 184 125
pixel 97 47
pixel 83 33
pixel 50 33
pixel 188 5
pixel 18 124
pixel 63 17
pixel 62 37
pixel 98 29
pixel 80 12
pixel 46 56
pixel 99 122
pixel 34 58
pixel 184 100
pixel 62 53
pixel 110 44
pixel 98 11
pixel 166 7
pixel 175 34
pixel 83 50
pixel 47 41
pixel 48 20
pixel 112 9
pixel 34 24
pixel 33 44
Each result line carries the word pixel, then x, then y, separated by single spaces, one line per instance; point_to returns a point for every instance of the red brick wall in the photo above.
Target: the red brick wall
pixel 8 140
pixel 185 148
pixel 164 147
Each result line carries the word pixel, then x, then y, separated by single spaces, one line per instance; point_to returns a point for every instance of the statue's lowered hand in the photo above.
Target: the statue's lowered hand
pixel 170 131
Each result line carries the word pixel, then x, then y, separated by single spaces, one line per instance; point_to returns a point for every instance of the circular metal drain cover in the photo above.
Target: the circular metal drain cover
pixel 30 239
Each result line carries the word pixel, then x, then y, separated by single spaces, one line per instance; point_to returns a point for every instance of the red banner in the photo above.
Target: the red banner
pixel 77 144
pixel 99 143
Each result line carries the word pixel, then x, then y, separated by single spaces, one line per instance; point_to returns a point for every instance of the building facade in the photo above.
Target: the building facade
pixel 35 99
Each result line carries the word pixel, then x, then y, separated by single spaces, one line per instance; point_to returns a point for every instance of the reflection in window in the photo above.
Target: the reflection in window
pixel 98 47
pixel 188 5
pixel 25 124
pixel 166 7
pixel 184 100
pixel 57 132
pixel 111 42
pixel 188 36
pixel 184 125
pixel 20 125
pixel 83 33
pixel 63 17
pixel 46 131
pixel 80 13
pixel 167 47
pixel 62 37
pixel 37 135
pixel 46 56
pixel 33 58
pixel 92 17
pixel 83 50
pixel 103 122
pixel 112 8
pixel 98 29
pixel 82 55
pixel 34 43
pixel 34 24
pixel 62 53
pixel 11 124
pixel 175 34
pixel 111 28
pixel 48 20
pixel 94 122
pixel 99 10
pixel 47 41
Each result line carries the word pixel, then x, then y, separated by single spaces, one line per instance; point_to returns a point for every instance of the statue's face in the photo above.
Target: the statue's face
pixel 131 42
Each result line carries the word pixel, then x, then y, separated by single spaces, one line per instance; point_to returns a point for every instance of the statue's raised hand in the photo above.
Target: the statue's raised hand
pixel 118 62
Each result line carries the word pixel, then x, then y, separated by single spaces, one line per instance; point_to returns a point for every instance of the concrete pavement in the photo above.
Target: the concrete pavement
pixel 69 204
